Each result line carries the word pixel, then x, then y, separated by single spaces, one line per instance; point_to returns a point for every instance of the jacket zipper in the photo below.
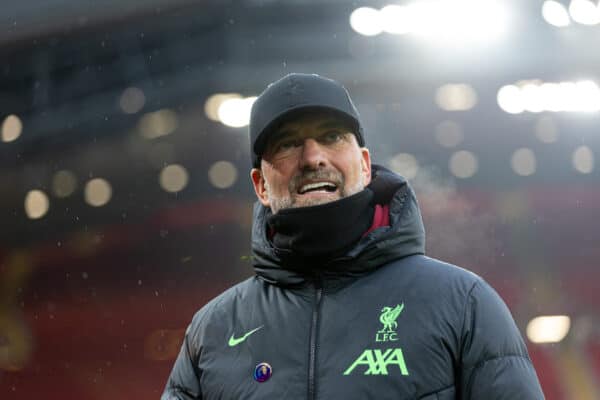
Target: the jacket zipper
pixel 313 342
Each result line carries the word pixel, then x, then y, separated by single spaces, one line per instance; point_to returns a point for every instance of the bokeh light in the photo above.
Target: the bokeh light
pixel 366 21
pixel 404 164
pixel 213 103
pixel 456 97
pixel 454 23
pixel 397 19
pixel 64 183
pixel 158 123
pixel 222 174
pixel 555 13
pixel 548 328
pixel 584 12
pixel 97 192
pixel 235 112
pixel 36 204
pixel 132 100
pixel 173 178
pixel 523 162
pixel 583 159
pixel 535 97
pixel 463 164
pixel 509 99
pixel 11 128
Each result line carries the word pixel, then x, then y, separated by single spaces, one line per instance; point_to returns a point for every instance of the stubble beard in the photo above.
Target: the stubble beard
pixel 291 200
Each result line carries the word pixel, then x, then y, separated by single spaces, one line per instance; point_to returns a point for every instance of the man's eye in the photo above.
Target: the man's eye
pixel 286 145
pixel 332 136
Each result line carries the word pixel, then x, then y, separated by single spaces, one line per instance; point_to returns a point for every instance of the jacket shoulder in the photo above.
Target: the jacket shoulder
pixel 493 356
pixel 433 275
pixel 446 270
pixel 481 307
pixel 225 302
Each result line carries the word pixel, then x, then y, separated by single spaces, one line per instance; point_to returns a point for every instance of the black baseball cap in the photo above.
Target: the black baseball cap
pixel 295 94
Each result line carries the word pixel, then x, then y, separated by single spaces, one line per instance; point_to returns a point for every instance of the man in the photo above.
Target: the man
pixel 344 304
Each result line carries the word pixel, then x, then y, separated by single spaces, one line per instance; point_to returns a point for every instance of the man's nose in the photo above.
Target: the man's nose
pixel 313 155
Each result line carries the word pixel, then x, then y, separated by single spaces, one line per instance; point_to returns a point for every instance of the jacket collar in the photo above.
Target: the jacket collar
pixel 405 236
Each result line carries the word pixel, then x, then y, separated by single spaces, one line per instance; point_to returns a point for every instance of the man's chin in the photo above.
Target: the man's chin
pixel 305 201
pixel 315 199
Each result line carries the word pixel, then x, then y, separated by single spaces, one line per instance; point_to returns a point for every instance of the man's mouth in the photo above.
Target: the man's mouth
pixel 328 187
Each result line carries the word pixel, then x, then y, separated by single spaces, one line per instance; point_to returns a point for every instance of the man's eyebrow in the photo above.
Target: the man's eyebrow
pixel 279 135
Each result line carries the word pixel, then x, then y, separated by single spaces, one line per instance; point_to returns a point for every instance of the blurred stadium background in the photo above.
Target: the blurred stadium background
pixel 124 163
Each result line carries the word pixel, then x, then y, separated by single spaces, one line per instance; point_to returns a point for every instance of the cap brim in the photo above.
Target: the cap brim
pixel 262 140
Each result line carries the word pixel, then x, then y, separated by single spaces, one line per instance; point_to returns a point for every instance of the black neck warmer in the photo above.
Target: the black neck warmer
pixel 317 234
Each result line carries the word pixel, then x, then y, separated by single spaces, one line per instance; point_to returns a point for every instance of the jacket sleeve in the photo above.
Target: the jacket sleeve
pixel 184 381
pixel 495 364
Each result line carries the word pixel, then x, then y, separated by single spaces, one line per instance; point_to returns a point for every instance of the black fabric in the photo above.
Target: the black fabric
pixel 306 237
pixel 455 334
pixel 405 237
pixel 293 94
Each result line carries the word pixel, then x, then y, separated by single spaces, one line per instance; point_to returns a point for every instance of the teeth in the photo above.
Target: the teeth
pixel 316 186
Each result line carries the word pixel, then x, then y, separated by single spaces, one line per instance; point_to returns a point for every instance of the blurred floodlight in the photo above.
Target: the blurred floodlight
pixel 581 96
pixel 404 164
pixel 583 159
pixel 546 130
pixel 397 19
pixel 366 21
pixel 212 104
pixel 97 192
pixel 555 13
pixel 64 183
pixel 548 328
pixel 11 128
pixel 173 178
pixel 449 134
pixel 588 96
pixel 456 97
pixel 584 12
pixel 460 20
pixel 222 174
pixel 158 123
pixel 132 100
pixel 567 99
pixel 456 22
pixel 510 100
pixel 463 164
pixel 523 162
pixel 36 204
pixel 551 95
pixel 236 112
pixel 533 98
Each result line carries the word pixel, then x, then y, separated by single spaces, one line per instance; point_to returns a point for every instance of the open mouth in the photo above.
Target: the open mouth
pixel 328 187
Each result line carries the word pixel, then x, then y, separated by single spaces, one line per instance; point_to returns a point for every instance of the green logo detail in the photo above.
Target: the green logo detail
pixel 235 341
pixel 377 362
pixel 388 318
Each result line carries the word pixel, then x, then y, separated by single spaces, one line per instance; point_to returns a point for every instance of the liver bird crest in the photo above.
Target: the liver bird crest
pixel 388 318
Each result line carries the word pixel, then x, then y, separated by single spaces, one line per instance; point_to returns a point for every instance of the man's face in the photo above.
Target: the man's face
pixel 314 159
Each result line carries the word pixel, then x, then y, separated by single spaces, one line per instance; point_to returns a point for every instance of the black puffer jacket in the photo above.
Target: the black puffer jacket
pixel 382 322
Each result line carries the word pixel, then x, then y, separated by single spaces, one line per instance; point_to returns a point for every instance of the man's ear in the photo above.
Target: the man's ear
pixel 258 181
pixel 366 165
